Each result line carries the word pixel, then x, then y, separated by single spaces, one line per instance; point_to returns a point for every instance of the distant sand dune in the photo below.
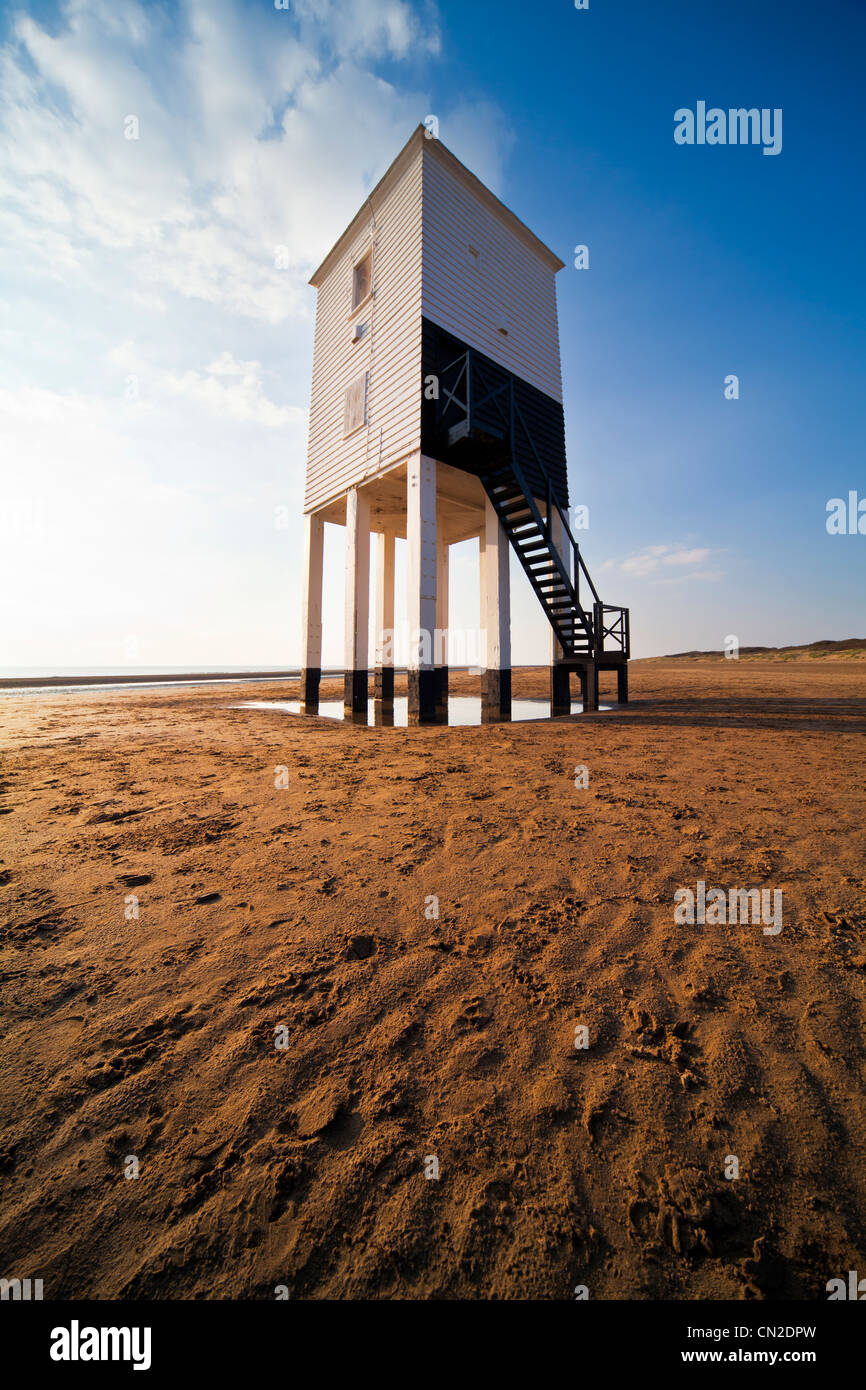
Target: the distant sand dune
pixel 849 649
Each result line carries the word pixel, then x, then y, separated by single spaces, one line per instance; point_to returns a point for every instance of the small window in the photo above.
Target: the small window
pixel 355 405
pixel 361 278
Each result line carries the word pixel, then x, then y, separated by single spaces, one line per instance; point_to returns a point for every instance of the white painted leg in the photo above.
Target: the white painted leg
pixel 442 554
pixel 421 585
pixel 311 670
pixel 357 612
pixel 440 653
pixel 495 619
pixel 384 678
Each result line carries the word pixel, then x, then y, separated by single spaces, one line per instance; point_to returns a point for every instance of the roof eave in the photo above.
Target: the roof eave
pixel 375 194
pixel 465 175
pixel 496 204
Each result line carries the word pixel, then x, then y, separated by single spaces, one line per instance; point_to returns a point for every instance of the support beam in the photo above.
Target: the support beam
pixel 588 672
pixel 560 689
pixel 440 653
pixel 560 681
pixel 311 620
pixel 421 586
pixel 495 619
pixel 383 684
pixel 622 683
pixel 357 612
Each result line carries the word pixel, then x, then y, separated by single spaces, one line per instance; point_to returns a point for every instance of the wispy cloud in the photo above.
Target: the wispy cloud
pixel 225 388
pixel 657 561
pixel 253 130
pixel 181 259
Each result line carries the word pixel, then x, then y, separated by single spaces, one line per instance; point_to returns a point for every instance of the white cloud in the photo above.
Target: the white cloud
pixel 155 259
pixel 254 132
pixel 367 28
pixel 242 397
pixel 226 388
pixel 656 560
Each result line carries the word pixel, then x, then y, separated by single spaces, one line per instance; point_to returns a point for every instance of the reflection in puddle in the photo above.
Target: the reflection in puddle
pixel 462 709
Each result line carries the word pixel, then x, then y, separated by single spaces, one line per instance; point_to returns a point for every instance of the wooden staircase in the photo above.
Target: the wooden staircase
pixel 543 563
pixel 479 428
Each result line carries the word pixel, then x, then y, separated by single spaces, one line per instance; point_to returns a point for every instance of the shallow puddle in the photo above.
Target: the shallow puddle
pixel 462 709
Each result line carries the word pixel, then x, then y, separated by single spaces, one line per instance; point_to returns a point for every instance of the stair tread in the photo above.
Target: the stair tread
pixel 543 564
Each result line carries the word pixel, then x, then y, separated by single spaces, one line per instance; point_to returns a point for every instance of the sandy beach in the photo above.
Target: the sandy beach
pixel 169 915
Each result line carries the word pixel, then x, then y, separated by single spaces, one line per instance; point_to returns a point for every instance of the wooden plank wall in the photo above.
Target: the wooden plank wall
pixel 390 350
pixel 466 294
pixel 426 220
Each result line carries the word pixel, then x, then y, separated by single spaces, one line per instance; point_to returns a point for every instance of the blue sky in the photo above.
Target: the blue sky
pixel 156 366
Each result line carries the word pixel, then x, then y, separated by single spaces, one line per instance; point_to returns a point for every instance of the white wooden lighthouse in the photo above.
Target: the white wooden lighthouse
pixel 436 416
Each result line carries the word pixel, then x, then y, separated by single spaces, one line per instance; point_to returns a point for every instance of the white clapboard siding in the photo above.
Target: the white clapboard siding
pixel 421 220
pixel 390 351
pixel 513 275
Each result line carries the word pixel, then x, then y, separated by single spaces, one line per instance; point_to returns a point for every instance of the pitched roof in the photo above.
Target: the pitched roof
pixel 435 149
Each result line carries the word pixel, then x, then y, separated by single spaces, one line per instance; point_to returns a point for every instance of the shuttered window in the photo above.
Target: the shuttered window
pixel 355 405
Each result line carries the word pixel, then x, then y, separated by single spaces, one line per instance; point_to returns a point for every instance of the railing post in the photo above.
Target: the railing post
pixel 598 629
pixel 469 388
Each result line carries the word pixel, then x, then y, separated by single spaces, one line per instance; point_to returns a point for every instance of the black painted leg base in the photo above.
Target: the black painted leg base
pixel 355 695
pixel 310 681
pixel 622 684
pixel 422 697
pixel 495 697
pixel 442 694
pixel 383 684
pixel 560 690
pixel 589 687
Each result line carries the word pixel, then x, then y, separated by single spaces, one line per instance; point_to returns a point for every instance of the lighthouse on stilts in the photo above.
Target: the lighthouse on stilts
pixel 436 416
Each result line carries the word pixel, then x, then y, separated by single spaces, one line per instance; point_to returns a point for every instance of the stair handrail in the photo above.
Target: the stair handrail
pixel 594 624
pixel 544 524
pixel 563 515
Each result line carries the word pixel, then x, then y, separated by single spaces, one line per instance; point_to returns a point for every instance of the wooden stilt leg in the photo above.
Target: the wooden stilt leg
pixel 357 613
pixel 311 671
pixel 383 685
pixel 495 620
pixel 421 586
